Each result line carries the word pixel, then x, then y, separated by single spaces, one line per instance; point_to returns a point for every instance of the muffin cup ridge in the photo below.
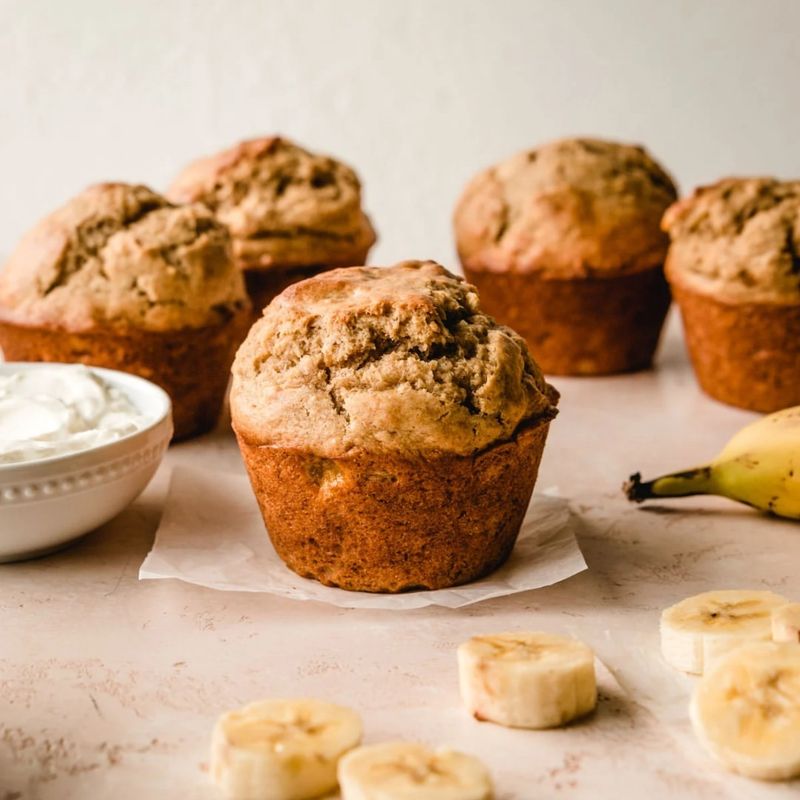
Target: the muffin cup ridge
pixel 383 523
pixel 586 326
pixel 744 354
pixel 192 365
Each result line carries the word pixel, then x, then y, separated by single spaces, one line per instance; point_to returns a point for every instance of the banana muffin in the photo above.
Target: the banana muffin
pixel 119 277
pixel 564 245
pixel 392 430
pixel 734 268
pixel 291 213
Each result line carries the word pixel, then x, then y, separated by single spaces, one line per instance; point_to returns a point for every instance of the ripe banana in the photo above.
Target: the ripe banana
pixel 746 710
pixel 527 680
pixel 282 749
pixel 786 623
pixel 699 629
pixel 760 466
pixel 410 771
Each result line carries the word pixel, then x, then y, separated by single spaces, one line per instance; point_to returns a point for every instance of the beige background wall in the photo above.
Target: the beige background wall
pixel 416 94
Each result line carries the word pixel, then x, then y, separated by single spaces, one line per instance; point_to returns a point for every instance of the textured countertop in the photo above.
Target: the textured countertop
pixel 109 687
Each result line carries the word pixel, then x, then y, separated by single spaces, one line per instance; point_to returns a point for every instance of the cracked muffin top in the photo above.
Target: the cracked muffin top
pixel 739 240
pixel 284 206
pixel 398 360
pixel 123 256
pixel 570 208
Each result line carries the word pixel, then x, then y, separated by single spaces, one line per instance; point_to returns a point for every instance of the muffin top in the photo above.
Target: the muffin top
pixel 398 360
pixel 285 207
pixel 571 208
pixel 122 256
pixel 738 240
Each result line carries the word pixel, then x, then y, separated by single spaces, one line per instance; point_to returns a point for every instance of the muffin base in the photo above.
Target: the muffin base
pixel 744 354
pixel 191 365
pixel 580 326
pixel 382 523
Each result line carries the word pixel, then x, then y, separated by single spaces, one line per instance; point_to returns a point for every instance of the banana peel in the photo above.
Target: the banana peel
pixel 760 466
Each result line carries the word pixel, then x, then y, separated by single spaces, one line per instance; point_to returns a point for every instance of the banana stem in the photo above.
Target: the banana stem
pixel 676 484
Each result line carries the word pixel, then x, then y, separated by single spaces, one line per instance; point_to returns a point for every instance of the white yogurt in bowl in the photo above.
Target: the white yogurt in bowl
pixel 52 411
pixel 77 445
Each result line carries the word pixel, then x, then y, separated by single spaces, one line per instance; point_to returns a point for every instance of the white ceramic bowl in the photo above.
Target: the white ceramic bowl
pixel 46 504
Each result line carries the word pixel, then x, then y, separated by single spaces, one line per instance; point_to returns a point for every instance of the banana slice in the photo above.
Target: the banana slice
pixel 410 771
pixel 700 629
pixel 746 710
pixel 527 680
pixel 282 749
pixel 786 623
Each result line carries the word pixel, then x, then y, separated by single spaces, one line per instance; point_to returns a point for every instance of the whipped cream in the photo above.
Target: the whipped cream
pixel 52 411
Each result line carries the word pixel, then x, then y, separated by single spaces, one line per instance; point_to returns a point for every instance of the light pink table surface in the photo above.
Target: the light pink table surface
pixel 109 687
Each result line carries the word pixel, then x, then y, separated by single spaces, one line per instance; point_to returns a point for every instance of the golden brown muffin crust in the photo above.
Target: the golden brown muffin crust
pixel 738 240
pixel 385 523
pixel 745 354
pixel 123 256
pixel 570 208
pixel 589 326
pixel 284 206
pixel 398 359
